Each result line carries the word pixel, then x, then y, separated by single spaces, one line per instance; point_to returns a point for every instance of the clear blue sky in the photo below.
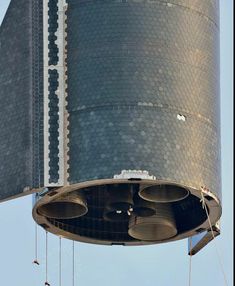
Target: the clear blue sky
pixel 159 265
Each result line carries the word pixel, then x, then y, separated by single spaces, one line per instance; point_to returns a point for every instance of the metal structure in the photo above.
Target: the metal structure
pixel 110 115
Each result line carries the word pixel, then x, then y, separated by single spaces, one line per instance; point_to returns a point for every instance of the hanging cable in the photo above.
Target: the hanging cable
pixel 36 245
pixel 46 283
pixel 190 261
pixel 73 267
pixel 213 235
pixel 60 262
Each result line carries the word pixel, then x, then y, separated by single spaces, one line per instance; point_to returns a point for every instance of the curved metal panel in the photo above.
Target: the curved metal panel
pixel 143 90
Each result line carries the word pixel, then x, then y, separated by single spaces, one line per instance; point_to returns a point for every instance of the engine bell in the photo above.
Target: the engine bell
pixel 69 206
pixel 143 208
pixel 159 227
pixel 163 193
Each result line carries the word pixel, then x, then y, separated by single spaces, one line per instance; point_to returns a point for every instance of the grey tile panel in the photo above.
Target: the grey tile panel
pixel 208 9
pixel 20 92
pixel 133 66
pixel 110 139
pixel 144 51
pixel 15 100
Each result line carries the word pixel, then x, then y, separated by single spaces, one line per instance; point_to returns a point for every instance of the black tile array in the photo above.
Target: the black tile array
pixel 37 93
pixel 53 126
pixel 53 26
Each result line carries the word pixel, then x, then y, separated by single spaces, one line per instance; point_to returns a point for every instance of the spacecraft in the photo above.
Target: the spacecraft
pixel 110 118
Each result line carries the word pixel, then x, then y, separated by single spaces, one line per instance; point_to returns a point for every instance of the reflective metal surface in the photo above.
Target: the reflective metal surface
pixel 163 193
pixel 159 227
pixel 65 207
pixel 143 208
